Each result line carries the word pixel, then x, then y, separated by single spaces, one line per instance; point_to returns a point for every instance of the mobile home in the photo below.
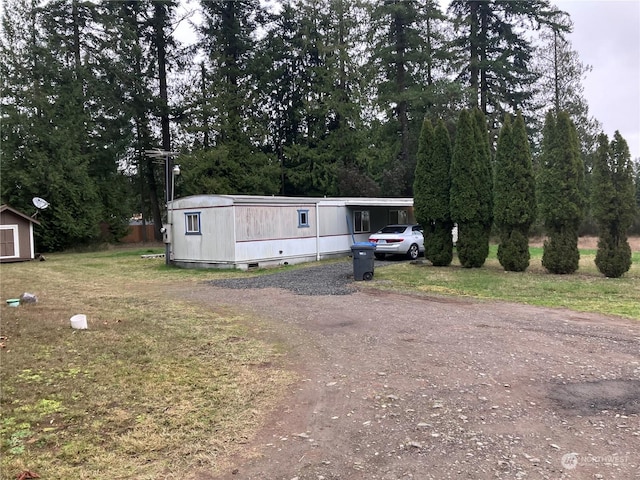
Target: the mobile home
pixel 240 231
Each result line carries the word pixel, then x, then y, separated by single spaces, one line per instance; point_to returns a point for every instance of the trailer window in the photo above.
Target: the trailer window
pixel 361 221
pixel 192 223
pixel 303 218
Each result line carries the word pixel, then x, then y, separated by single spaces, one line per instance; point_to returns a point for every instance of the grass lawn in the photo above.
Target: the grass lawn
pixel 586 290
pixel 155 388
pixel 162 388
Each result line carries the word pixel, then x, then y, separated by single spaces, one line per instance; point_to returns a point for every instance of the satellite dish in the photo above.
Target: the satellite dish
pixel 40 203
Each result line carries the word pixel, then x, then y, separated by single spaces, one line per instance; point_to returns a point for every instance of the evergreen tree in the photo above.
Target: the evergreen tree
pixel 561 187
pixel 401 38
pixel 514 195
pixel 560 79
pixel 613 203
pixel 423 174
pixel 637 184
pixel 560 74
pixel 310 96
pixel 431 192
pixel 130 71
pixel 229 43
pixel 282 93
pixel 471 189
pixel 309 167
pixel 48 124
pixel 496 53
pixel 485 172
pixel 344 140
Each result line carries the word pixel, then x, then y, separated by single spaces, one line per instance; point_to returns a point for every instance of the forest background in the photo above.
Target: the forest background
pixel 311 98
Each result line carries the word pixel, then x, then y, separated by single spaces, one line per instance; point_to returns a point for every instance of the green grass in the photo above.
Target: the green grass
pixel 163 388
pixel 156 388
pixel 587 290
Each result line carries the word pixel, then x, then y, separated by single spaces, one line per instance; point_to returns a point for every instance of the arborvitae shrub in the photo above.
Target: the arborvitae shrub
pixel 514 195
pixel 471 189
pixel 613 204
pixel 513 251
pixel 431 192
pixel 471 252
pixel 613 258
pixel 561 254
pixel 561 192
pixel 440 248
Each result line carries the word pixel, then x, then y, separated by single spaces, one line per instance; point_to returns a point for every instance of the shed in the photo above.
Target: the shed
pixel 244 231
pixel 16 235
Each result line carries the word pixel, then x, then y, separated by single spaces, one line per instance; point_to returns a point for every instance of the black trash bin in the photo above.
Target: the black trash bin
pixel 363 259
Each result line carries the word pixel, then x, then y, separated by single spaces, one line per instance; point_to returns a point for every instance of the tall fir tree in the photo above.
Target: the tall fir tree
pixel 130 68
pixel 401 39
pixel 495 53
pixel 432 191
pixel 49 137
pixel 561 193
pixel 228 41
pixel 560 75
pixel 613 204
pixel 514 195
pixel 471 189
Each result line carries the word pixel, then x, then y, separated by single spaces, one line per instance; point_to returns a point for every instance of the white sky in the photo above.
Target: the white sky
pixel 606 35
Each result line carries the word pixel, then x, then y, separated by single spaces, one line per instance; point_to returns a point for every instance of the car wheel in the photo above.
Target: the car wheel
pixel 413 252
pixel 379 256
pixel 367 276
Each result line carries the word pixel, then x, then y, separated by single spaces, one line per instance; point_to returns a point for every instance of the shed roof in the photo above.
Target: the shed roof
pixel 20 214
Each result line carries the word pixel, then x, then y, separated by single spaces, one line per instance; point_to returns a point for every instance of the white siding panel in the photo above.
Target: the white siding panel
pixel 333 220
pixel 216 242
pixel 270 222
pixel 275 250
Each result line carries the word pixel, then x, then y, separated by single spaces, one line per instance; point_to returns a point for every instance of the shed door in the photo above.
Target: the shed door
pixel 8 240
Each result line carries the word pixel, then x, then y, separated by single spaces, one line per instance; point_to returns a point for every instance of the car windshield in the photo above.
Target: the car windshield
pixel 393 229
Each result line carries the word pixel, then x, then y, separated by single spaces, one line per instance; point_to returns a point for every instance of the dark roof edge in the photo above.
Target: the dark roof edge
pixel 20 214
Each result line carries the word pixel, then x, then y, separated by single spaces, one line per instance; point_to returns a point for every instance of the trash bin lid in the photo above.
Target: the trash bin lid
pixel 363 246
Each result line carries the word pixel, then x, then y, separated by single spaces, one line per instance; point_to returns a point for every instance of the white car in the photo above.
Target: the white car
pixel 398 240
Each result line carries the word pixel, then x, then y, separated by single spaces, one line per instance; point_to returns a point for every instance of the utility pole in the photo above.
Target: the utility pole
pixel 166 156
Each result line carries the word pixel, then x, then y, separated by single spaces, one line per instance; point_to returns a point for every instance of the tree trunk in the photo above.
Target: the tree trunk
pixel 204 106
pixel 556 74
pixel 473 61
pixel 482 45
pixel 401 86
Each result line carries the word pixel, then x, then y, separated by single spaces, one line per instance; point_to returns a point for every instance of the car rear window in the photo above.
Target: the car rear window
pixel 396 229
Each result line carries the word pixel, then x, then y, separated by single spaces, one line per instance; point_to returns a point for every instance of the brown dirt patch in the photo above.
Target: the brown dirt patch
pixel 590 243
pixel 399 387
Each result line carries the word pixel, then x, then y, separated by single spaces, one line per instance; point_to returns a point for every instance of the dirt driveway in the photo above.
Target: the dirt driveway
pixel 425 387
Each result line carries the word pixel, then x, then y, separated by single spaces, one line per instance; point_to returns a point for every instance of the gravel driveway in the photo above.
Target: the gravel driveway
pixel 427 387
pixel 325 279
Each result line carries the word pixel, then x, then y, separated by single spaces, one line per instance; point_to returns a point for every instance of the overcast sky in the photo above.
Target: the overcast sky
pixel 606 35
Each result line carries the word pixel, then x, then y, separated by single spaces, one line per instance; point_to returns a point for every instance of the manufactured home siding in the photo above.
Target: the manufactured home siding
pixel 334 220
pixel 273 233
pixel 246 231
pixel 215 243
pixel 270 222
